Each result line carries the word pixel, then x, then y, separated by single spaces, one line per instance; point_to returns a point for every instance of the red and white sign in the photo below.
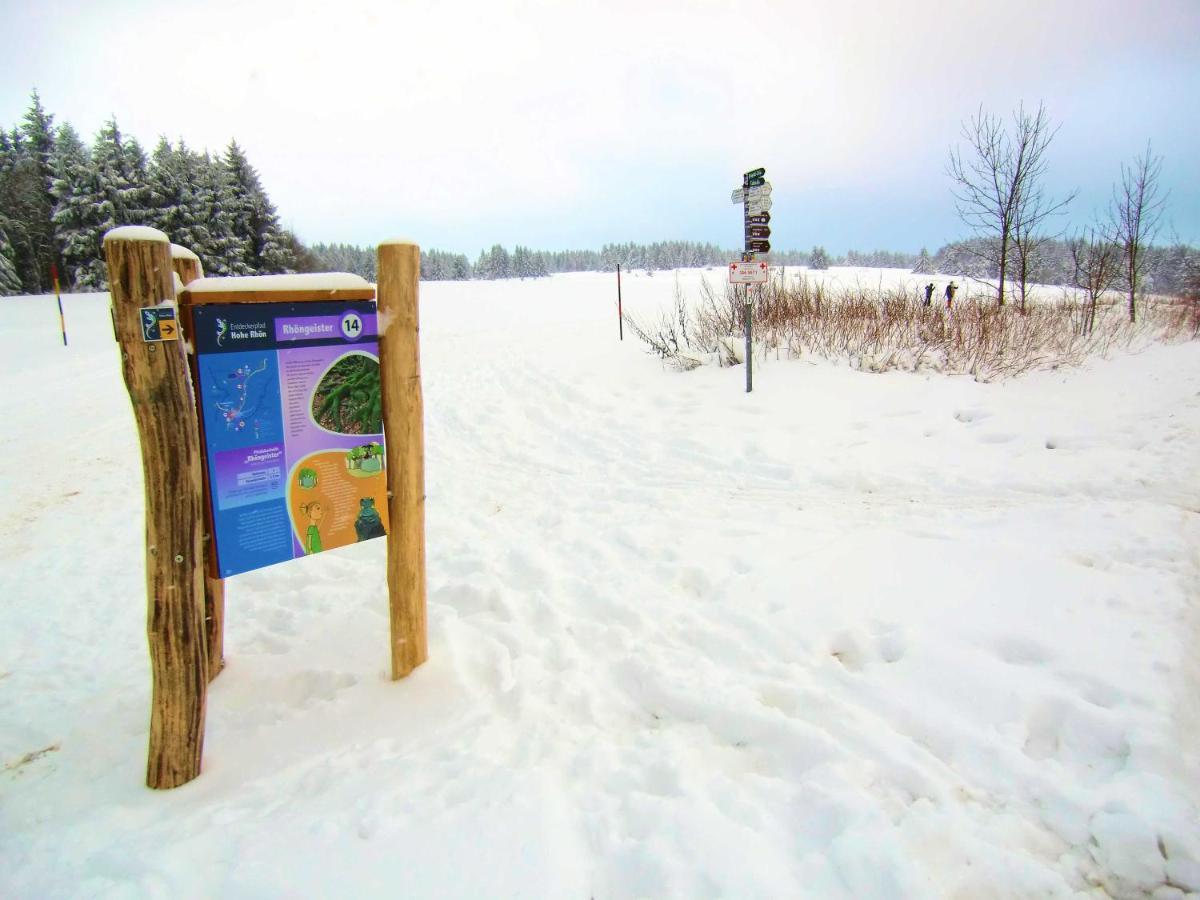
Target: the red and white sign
pixel 747 273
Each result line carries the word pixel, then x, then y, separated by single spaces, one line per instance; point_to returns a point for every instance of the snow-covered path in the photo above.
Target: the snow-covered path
pixel 850 635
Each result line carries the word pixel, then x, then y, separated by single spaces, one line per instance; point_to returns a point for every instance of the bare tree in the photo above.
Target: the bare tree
pixel 997 186
pixel 1097 267
pixel 1035 209
pixel 1136 213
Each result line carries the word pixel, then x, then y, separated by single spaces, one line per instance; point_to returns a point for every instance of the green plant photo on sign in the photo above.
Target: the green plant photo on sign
pixel 347 399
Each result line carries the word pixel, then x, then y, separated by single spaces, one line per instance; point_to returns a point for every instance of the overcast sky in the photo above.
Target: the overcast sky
pixel 573 124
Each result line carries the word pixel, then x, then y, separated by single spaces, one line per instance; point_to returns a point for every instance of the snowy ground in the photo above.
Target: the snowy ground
pixel 851 635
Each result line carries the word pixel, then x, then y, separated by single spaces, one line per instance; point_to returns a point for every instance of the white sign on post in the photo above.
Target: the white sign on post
pixel 748 273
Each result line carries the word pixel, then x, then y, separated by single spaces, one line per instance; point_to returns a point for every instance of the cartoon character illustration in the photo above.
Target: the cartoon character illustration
pixel 312 536
pixel 368 524
pixel 307 478
pixel 222 331
pixel 365 458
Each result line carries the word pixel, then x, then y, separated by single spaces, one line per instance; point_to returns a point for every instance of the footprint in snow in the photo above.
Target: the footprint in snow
pixel 967 416
pixel 1022 651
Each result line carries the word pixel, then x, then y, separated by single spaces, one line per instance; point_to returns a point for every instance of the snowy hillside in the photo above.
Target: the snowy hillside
pixel 850 635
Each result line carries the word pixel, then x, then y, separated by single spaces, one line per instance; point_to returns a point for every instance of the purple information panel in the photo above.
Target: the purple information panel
pixel 292 419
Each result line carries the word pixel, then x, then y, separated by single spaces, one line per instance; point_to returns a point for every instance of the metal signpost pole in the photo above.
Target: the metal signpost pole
pixel 755 197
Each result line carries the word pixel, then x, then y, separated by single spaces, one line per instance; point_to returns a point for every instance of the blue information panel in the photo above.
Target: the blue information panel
pixel 292 420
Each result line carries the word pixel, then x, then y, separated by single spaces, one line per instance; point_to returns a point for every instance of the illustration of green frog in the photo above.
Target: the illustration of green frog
pixel 368 524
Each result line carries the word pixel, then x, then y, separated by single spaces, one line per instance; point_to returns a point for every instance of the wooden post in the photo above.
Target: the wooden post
pixel 187 266
pixel 399 269
pixel 156 375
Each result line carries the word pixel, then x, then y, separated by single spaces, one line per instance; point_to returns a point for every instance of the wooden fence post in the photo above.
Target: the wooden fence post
pixel 399 271
pixel 156 375
pixel 187 266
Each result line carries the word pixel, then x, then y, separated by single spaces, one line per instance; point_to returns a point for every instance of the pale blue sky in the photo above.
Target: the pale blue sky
pixel 573 124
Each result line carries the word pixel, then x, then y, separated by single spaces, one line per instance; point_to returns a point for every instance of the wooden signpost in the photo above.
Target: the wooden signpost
pixel 153 324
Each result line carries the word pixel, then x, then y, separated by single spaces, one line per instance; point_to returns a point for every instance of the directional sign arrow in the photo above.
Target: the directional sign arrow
pixel 755 182
pixel 758 231
pixel 760 190
pixel 760 246
pixel 756 173
pixel 738 195
pixel 166 329
pixel 761 219
pixel 761 205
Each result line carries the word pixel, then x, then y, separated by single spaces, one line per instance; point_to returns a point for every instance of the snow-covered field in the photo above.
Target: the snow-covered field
pixel 850 635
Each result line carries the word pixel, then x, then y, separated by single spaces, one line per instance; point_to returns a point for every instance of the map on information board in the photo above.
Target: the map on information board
pixel 292 419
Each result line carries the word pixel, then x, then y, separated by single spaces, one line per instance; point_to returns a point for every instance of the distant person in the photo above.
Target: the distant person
pixel 950 289
pixel 929 294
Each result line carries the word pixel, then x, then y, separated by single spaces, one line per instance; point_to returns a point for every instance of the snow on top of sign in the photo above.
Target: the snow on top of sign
pixel 180 252
pixel 397 240
pixel 311 281
pixel 135 233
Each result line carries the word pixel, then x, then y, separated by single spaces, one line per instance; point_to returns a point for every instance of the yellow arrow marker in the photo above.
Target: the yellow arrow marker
pixel 167 330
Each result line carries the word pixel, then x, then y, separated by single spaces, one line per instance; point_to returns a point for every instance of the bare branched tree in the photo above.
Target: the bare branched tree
pixel 1136 213
pixel 1035 210
pixel 1097 263
pixel 997 185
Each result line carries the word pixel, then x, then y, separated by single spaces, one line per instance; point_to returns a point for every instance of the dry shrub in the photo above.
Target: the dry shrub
pixel 882 329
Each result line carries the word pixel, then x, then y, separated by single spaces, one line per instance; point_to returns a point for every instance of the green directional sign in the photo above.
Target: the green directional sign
pixel 756 173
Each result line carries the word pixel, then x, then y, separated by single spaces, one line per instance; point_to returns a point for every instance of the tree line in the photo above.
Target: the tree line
pixel 59 195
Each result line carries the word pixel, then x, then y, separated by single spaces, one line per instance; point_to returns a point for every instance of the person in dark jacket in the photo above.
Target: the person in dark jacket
pixel 929 293
pixel 950 289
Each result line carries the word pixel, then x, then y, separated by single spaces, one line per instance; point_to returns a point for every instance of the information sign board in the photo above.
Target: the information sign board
pixel 293 428
pixel 747 273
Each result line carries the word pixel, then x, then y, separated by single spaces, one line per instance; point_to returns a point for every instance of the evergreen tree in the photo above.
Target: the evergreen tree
pixel 224 250
pixel 121 171
pixel 74 188
pixel 819 258
pixel 37 131
pixel 924 264
pixel 255 220
pixel 9 282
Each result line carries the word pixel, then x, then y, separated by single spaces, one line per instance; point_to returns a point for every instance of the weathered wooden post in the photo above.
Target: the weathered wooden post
pixel 399 270
pixel 156 375
pixel 187 266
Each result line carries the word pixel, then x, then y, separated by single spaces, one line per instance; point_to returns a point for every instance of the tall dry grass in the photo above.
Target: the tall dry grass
pixel 882 329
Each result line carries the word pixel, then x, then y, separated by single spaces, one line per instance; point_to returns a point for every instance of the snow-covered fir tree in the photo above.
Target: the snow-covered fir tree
pixel 10 283
pixel 225 250
pixel 78 222
pixel 37 131
pixel 924 264
pixel 255 220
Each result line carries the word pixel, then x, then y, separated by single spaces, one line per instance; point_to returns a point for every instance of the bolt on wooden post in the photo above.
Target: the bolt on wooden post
pixel 156 376
pixel 399 271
